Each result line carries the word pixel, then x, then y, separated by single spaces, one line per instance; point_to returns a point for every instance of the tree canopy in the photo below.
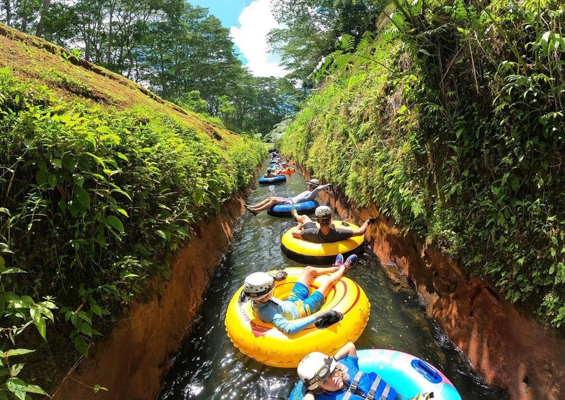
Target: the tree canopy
pixel 310 29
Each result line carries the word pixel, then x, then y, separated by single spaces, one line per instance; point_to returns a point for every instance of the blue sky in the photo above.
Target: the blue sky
pixel 249 22
pixel 226 10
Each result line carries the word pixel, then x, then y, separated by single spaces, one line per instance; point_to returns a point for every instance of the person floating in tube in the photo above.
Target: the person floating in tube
pixel 270 173
pixel 313 188
pixel 300 310
pixel 338 378
pixel 327 232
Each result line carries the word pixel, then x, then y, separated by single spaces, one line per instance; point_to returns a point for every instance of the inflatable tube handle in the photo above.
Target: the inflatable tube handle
pixel 426 370
pixel 242 298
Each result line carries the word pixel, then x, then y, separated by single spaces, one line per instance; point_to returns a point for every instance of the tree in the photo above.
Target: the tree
pixel 21 14
pixel 311 28
pixel 276 99
pixel 185 49
pixel 58 24
pixel 194 102
pixel 44 11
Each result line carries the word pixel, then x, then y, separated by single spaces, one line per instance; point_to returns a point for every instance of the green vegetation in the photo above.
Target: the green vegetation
pixel 450 119
pixel 448 115
pixel 94 200
pixel 172 47
pixel 309 28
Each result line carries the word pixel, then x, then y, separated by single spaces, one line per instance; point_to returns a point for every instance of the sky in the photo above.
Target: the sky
pixel 249 22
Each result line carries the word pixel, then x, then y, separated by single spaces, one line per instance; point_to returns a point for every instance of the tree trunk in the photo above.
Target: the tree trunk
pixel 109 57
pixel 121 60
pixel 24 17
pixel 133 67
pixel 44 10
pixel 8 7
pixel 88 32
pixel 162 76
pixel 87 48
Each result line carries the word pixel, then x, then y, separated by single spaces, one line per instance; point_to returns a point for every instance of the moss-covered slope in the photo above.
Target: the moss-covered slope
pixel 100 182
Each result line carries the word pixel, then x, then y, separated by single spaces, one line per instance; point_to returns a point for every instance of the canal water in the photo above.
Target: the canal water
pixel 208 366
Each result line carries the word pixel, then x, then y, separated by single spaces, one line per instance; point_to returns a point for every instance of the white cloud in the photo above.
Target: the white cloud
pixel 256 21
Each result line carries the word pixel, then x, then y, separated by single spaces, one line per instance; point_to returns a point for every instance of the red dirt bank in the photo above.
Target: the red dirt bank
pixel 132 362
pixel 509 349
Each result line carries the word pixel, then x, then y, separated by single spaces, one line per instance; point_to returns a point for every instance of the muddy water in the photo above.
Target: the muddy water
pixel 208 366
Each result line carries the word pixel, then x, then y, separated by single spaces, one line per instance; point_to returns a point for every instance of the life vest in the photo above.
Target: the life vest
pixel 379 390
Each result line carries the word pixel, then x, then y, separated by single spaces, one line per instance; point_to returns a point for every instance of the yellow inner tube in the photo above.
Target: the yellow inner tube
pixel 265 343
pixel 306 248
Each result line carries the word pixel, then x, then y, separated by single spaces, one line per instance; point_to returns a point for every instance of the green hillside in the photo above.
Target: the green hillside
pixel 100 182
pixel 450 119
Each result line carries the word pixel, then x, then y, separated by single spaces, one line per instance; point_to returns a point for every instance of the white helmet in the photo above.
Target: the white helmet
pixel 315 368
pixel 258 285
pixel 323 212
pixel 314 182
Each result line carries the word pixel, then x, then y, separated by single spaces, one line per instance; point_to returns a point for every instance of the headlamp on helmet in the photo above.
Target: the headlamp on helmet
pixel 315 368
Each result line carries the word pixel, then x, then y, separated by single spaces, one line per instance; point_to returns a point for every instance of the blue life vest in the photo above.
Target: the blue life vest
pixel 368 386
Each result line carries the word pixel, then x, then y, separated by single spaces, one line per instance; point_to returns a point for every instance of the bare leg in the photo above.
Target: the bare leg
pixel 261 203
pixel 334 278
pixel 311 273
pixel 273 202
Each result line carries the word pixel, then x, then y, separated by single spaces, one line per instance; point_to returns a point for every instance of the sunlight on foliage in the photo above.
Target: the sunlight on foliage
pixel 95 201
pixel 452 124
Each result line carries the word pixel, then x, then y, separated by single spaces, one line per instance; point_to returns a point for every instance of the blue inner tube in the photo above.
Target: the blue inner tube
pixel 273 180
pixel 283 210
pixel 407 374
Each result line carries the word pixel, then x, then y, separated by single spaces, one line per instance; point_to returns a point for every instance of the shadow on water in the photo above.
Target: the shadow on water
pixel 208 366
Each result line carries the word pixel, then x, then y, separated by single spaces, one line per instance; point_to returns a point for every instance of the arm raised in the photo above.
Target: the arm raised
pixel 347 350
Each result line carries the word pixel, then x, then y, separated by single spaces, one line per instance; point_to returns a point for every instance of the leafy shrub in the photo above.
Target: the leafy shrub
pixel 194 102
pixel 94 202
pixel 451 121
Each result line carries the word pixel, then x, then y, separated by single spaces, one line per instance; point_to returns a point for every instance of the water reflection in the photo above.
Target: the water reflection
pixel 208 366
